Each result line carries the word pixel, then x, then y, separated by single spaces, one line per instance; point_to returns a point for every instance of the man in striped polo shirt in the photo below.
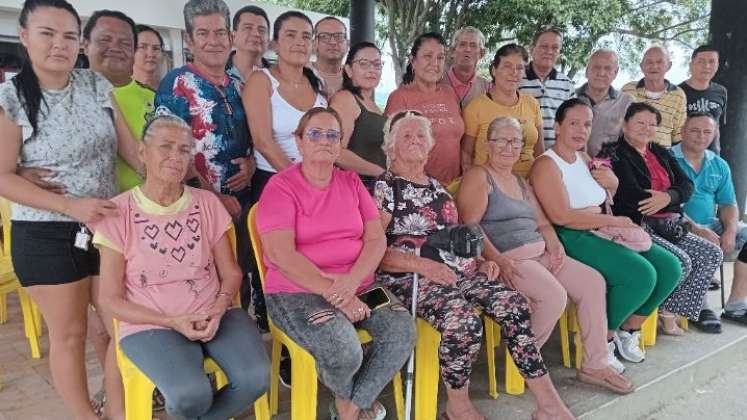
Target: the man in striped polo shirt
pixel 654 89
pixel 542 81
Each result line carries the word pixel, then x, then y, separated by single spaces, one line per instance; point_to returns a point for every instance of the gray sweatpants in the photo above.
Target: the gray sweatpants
pixel 174 364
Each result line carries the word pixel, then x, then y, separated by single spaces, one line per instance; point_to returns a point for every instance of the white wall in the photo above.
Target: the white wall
pixel 165 15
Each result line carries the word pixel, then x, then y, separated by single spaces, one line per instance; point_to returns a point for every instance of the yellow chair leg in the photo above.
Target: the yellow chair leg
pixel 304 391
pixel 37 317
pixel 564 340
pixel 426 371
pixel 683 323
pixel 648 331
pixel 138 393
pixel 274 372
pixel 3 308
pixel 514 380
pixel 490 344
pixel 29 323
pixel 262 408
pixel 399 399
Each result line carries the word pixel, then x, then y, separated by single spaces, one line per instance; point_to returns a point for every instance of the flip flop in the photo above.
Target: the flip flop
pixel 377 408
pixel 739 316
pixel 709 322
pixel 606 378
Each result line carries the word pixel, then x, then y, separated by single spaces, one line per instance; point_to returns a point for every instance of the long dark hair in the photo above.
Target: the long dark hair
pixel 409 75
pixel 316 84
pixel 347 82
pixel 26 82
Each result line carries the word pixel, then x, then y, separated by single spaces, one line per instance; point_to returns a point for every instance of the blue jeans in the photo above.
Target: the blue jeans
pixel 331 338
pixel 741 239
pixel 174 364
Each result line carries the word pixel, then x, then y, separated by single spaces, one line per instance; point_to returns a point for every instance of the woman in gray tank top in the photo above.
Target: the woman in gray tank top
pixel 363 121
pixel 523 243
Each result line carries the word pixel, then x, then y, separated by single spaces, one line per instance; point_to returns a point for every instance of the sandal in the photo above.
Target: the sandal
pixel 97 403
pixel 708 322
pixel 471 414
pixel 606 378
pixel 739 316
pixel 668 324
pixel 158 401
pixel 376 412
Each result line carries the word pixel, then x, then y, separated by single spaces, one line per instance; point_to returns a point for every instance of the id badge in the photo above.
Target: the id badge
pixel 82 238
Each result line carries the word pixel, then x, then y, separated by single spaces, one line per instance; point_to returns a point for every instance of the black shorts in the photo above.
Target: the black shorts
pixel 44 253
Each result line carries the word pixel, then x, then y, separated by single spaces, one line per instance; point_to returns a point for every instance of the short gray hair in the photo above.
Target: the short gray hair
pixel 604 51
pixel 468 30
pixel 195 8
pixel 163 118
pixel 391 131
pixel 505 122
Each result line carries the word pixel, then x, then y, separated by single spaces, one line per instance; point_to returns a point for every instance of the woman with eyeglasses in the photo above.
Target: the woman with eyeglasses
pixel 523 243
pixel 422 91
pixel 505 100
pixel 275 99
pixel 362 120
pixel 322 241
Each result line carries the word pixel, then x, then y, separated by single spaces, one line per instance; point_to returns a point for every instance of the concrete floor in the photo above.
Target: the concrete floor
pixel 692 377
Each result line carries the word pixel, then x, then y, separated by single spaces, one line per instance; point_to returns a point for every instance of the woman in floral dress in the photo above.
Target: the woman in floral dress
pixel 413 206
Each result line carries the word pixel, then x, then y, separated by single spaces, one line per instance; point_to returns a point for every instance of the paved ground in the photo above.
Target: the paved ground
pixel 671 384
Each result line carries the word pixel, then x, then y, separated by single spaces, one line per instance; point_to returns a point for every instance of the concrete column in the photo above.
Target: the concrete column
pixel 729 35
pixel 362 24
pixel 175 39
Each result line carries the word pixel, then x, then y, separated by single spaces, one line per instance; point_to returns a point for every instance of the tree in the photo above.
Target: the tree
pixel 625 25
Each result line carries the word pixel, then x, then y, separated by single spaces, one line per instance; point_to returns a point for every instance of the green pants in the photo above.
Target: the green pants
pixel 636 282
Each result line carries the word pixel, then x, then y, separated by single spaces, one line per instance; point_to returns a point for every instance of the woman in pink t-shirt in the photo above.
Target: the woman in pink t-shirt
pixel 169 275
pixel 422 91
pixel 323 239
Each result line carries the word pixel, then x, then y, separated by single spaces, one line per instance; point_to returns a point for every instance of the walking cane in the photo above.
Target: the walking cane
pixel 411 362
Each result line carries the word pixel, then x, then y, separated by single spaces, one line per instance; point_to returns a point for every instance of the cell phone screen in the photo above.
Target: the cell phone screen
pixel 374 298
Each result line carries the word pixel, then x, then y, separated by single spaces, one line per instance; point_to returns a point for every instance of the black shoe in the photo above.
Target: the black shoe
pixel 714 285
pixel 708 322
pixel 262 324
pixel 739 316
pixel 285 372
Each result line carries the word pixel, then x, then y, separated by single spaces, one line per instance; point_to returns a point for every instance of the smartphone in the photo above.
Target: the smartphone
pixel 375 298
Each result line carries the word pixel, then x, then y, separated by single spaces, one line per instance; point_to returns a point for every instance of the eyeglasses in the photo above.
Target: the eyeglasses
pixel 502 142
pixel 367 64
pixel 328 37
pixel 316 134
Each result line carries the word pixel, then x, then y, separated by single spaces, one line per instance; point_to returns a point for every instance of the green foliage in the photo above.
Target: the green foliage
pixel 624 25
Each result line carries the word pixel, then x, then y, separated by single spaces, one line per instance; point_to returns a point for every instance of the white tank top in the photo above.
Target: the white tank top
pixel 284 122
pixel 583 190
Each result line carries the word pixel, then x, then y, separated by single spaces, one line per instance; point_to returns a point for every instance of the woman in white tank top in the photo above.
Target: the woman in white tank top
pixel 637 282
pixel 276 98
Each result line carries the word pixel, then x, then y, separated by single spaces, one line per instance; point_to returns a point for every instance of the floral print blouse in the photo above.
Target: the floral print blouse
pixel 417 211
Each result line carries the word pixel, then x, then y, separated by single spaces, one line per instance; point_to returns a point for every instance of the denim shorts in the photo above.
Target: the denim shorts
pixel 43 253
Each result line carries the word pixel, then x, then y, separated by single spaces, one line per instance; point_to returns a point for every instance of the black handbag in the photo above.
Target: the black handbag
pixel 465 241
pixel 673 228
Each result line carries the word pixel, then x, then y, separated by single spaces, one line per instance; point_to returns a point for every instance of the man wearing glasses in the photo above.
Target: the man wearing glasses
pixel 549 86
pixel 330 45
pixel 202 94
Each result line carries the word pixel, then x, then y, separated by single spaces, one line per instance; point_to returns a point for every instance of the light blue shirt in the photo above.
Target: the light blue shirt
pixel 713 186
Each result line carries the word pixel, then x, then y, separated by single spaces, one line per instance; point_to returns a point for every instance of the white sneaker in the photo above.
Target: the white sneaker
pixel 612 359
pixel 628 346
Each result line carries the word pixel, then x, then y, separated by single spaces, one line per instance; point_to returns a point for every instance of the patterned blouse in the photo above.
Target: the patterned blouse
pixel 75 138
pixel 417 211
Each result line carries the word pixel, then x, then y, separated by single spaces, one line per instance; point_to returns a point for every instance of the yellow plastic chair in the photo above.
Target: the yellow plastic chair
pixel 138 388
pixel 648 330
pixel 303 371
pixel 569 324
pixel 32 321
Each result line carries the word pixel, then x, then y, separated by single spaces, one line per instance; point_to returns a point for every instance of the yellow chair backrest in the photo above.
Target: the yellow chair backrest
pixel 453 187
pixel 256 242
pixel 5 217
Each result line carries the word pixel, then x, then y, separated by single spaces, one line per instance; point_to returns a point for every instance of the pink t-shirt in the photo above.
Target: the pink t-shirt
pixel 442 109
pixel 328 223
pixel 169 266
